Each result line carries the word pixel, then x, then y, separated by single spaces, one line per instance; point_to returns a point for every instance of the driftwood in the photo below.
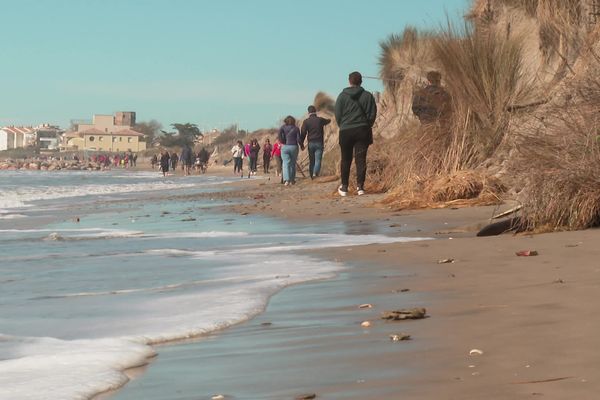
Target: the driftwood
pixel 508 212
pixel 402 314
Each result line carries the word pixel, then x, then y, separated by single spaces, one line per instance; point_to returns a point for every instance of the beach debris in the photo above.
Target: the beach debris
pixel 401 290
pixel 527 253
pixel 55 237
pixel 188 219
pixel 244 213
pixel 446 261
pixel 404 313
pixel 544 380
pixel 476 352
pixel 307 396
pixel 365 324
pixel 559 281
pixel 400 337
pixel 508 212
pixel 366 305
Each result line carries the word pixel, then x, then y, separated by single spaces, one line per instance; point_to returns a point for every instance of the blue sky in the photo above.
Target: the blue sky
pixel 210 62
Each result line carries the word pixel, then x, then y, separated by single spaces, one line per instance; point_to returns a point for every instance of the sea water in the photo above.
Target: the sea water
pixel 96 268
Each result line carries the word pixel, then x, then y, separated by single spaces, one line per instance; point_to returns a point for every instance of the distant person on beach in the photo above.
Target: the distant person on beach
pixel 254 149
pixel 174 160
pixel 203 157
pixel 312 128
pixel 237 152
pixel 267 149
pixel 276 155
pixel 431 104
pixel 165 160
pixel 289 135
pixel 154 161
pixel 355 112
pixel 187 158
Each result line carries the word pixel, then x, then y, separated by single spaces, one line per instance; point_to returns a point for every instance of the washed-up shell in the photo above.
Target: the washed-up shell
pixel 527 253
pixel 365 324
pixel 399 337
pixel 475 352
pixel 365 306
pixel 446 261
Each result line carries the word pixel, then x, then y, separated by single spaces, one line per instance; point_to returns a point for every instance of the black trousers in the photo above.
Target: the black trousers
pixel 355 142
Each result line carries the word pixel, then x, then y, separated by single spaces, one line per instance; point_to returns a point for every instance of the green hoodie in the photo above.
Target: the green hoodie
pixel 355 107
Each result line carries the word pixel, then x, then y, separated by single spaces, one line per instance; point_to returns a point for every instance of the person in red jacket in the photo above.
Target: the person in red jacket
pixel 276 154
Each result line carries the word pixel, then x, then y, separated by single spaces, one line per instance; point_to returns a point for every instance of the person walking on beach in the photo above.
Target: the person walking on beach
pixel 165 160
pixel 237 152
pixel 153 161
pixel 267 149
pixel 187 159
pixel 203 157
pixel 254 149
pixel 174 159
pixel 289 134
pixel 312 128
pixel 355 112
pixel 276 155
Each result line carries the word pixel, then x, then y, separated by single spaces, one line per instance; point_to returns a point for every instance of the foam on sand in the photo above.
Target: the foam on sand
pixel 58 369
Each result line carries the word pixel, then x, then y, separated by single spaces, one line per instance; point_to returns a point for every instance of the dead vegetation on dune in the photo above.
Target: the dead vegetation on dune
pixel 524 79
pixel 559 160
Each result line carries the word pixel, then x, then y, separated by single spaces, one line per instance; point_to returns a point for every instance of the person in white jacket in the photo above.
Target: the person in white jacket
pixel 237 151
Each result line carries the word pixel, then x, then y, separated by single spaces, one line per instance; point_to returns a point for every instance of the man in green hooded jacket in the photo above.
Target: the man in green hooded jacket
pixel 355 112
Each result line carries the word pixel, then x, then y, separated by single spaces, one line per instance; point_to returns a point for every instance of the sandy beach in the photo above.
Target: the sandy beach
pixel 530 317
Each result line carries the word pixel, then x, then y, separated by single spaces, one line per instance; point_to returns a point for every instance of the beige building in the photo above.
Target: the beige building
pixel 106 133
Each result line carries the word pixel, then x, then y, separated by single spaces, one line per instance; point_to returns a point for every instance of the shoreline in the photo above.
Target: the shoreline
pixel 470 301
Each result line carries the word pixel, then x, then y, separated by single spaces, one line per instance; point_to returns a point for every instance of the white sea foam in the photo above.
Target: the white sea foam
pixel 52 369
pixel 238 287
pixel 11 216
pixel 23 196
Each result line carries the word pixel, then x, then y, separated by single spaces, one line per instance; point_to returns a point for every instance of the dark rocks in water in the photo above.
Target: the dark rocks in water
pixel 497 228
pixel 404 313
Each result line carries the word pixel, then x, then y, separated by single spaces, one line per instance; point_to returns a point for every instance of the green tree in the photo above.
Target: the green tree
pixel 188 133
pixel 151 129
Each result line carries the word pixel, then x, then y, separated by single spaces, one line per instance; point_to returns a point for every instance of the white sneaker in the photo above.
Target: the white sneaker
pixel 343 191
pixel 286 183
pixel 360 191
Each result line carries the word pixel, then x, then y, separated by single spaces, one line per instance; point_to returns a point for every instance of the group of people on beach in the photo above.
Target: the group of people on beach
pixel 251 151
pixel 188 160
pixel 122 160
pixel 355 113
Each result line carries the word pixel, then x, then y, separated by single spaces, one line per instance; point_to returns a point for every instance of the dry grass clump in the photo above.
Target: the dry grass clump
pixel 484 76
pixel 463 188
pixel 562 160
pixel 324 103
pixel 400 52
pixel 435 163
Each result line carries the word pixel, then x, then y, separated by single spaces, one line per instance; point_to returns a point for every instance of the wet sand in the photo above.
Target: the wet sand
pixel 532 317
